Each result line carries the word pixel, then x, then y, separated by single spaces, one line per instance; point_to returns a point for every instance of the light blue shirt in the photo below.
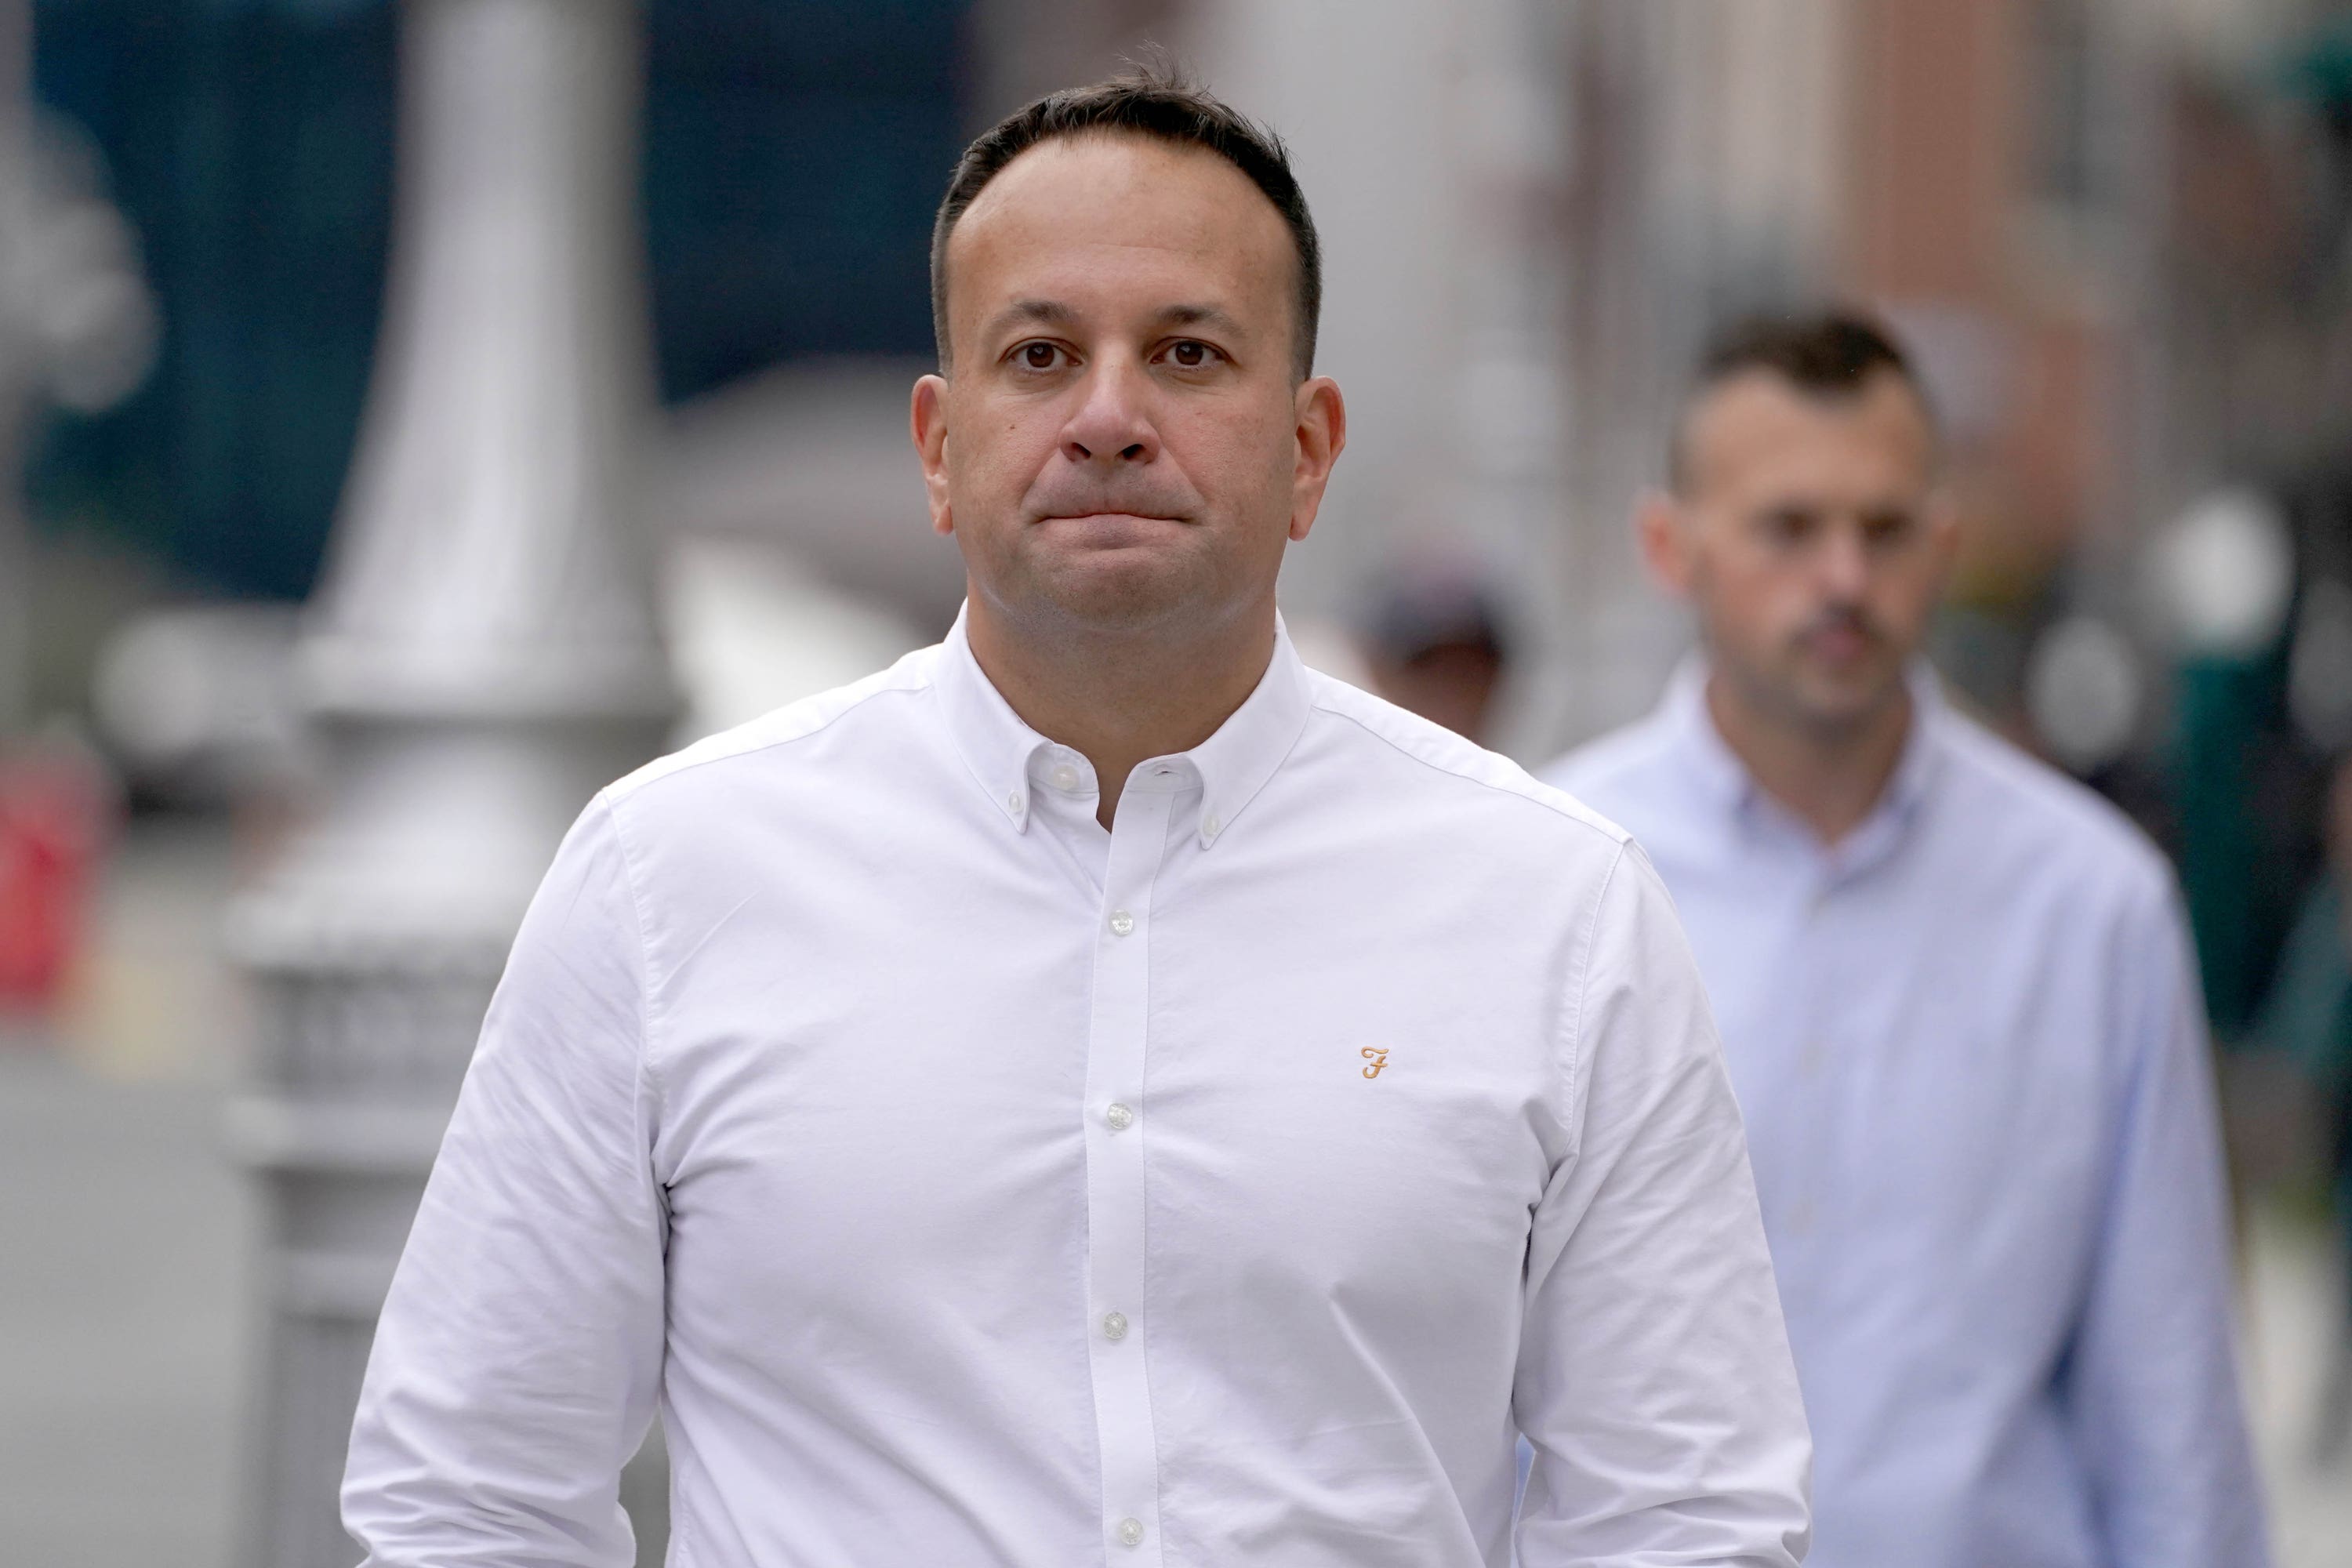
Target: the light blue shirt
pixel 1968 1044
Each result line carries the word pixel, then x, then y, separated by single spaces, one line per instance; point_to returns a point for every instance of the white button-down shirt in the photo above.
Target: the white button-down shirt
pixel 1968 1046
pixel 970 1186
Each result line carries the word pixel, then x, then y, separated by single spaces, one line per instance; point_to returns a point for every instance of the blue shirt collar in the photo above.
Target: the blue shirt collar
pixel 1722 780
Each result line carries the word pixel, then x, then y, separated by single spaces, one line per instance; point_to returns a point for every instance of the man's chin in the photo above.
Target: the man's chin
pixel 1116 591
pixel 1842 700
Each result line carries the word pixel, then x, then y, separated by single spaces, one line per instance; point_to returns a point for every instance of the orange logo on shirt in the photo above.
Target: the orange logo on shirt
pixel 1378 1057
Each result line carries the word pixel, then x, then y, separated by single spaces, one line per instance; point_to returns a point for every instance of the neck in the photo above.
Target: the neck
pixel 1120 700
pixel 1831 776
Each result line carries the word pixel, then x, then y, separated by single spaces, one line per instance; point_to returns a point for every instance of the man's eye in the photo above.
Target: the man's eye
pixel 1885 529
pixel 1040 356
pixel 1191 355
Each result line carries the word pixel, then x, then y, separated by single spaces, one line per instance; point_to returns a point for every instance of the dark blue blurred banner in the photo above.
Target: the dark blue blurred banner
pixel 795 151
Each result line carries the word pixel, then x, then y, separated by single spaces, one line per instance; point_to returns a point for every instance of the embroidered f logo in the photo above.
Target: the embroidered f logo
pixel 1378 1057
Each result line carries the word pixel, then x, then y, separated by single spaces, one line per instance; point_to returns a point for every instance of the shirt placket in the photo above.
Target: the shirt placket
pixel 1809 1071
pixel 1116 1117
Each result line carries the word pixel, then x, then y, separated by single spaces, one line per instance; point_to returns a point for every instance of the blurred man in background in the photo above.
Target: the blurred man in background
pixel 1434 644
pixel 1955 991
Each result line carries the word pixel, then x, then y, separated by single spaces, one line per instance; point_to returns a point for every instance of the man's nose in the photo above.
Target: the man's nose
pixel 1844 562
pixel 1114 424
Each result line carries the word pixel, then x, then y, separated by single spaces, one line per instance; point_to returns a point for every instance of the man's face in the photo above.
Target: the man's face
pixel 1810 536
pixel 1120 445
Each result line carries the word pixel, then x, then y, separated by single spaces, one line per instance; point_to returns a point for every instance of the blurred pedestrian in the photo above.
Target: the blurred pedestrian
pixel 1435 644
pixel 1095 1091
pixel 1955 994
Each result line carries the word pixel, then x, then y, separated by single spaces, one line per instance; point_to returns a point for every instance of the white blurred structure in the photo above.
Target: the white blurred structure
pixel 2221 575
pixel 481 658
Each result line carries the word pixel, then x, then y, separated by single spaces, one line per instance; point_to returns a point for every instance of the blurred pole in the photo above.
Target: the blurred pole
pixel 481 657
pixel 1514 420
pixel 15 352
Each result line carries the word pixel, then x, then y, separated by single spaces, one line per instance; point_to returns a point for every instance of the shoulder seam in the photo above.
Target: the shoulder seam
pixel 648 1072
pixel 1573 1102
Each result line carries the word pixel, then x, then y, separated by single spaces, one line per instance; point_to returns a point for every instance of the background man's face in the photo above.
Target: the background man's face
pixel 1118 444
pixel 1809 534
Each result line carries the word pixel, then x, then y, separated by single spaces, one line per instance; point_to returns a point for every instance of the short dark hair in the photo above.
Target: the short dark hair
pixel 1144 101
pixel 1832 354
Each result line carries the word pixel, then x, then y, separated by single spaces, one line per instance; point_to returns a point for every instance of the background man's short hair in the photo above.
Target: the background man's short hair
pixel 1163 105
pixel 1831 354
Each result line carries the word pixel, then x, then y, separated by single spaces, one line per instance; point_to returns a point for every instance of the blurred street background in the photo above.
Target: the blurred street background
pixel 414 413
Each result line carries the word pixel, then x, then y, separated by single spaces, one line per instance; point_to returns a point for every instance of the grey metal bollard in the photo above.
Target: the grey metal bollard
pixel 481 657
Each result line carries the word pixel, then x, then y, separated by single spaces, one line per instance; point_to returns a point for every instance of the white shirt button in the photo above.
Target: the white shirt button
pixel 1210 827
pixel 1130 1532
pixel 1121 922
pixel 1065 777
pixel 1120 1117
pixel 1012 802
pixel 1114 1325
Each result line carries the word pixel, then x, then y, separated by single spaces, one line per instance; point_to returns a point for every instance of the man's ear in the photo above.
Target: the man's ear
pixel 928 422
pixel 1321 415
pixel 1662 529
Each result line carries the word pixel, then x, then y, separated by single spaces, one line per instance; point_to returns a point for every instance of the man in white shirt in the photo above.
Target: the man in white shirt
pixel 1096 1091
pixel 1957 1003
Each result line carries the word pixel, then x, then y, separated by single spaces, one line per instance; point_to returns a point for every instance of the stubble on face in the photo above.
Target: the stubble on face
pixel 1816 561
pixel 1120 416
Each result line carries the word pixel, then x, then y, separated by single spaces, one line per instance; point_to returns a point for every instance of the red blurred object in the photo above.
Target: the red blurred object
pixel 52 825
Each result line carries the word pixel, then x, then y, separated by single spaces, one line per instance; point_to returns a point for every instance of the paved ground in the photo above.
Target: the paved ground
pixel 2292 1314
pixel 126 1244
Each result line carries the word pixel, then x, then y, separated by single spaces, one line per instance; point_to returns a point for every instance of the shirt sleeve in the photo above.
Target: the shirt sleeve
pixel 2151 1382
pixel 1655 1381
pixel 517 1360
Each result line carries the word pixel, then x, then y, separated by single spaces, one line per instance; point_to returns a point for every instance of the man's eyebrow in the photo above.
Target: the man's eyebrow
pixel 1040 313
pixel 1055 313
pixel 1200 316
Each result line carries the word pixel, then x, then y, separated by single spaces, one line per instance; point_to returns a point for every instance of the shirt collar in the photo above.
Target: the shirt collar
pixel 1006 756
pixel 1715 770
